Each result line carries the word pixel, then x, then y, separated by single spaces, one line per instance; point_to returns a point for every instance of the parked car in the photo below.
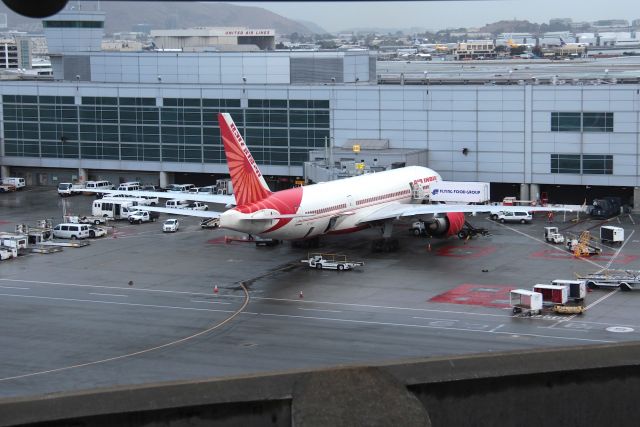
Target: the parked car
pixel 513 216
pixel 95 231
pixel 198 206
pixel 171 225
pixel 138 217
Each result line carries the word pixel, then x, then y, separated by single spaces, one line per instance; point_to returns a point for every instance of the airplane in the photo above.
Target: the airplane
pixel 336 207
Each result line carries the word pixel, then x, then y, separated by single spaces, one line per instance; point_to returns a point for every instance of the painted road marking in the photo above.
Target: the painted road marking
pixel 320 309
pixel 619 329
pixel 13 287
pixel 210 302
pixel 108 295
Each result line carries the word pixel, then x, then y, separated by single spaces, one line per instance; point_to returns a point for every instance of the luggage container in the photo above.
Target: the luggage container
pixel 525 301
pixel 609 233
pixel 577 289
pixel 552 294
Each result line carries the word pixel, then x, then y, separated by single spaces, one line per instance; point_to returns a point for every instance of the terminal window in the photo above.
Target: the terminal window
pixel 581 122
pixel 588 164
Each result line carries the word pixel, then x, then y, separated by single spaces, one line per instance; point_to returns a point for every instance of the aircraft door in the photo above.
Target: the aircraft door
pixel 350 203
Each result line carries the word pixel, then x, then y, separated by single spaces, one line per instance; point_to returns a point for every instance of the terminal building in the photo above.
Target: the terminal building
pixel 151 116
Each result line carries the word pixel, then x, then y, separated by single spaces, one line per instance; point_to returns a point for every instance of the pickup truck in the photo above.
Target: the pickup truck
pixel 69 189
pixel 138 217
pixel 331 262
pixel 197 206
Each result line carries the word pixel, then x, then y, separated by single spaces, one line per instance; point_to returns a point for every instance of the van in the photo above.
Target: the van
pixel 129 186
pixel 177 204
pixel 180 188
pixel 16 182
pixel 515 216
pixel 209 189
pixel 71 231
pixel 99 185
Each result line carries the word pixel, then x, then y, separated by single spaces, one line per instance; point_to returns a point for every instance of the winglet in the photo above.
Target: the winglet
pixel 249 185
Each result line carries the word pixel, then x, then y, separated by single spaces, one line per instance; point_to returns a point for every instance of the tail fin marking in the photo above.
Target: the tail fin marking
pixel 249 185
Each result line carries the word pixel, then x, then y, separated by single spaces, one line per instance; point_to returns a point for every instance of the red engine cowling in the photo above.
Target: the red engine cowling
pixel 448 225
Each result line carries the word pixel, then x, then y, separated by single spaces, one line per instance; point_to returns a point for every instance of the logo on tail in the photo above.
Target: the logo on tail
pixel 249 185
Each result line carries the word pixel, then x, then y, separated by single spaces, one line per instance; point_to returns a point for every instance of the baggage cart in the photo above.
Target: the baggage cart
pixel 525 301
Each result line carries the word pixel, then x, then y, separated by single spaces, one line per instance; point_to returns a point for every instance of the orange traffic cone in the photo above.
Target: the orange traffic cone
pixel 300 295
pixel 429 247
pixel 215 289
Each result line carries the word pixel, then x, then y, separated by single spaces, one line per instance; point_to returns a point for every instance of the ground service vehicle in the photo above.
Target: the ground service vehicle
pixel 551 235
pixel 180 188
pixel 129 186
pixel 85 219
pixel 198 206
pixel 170 225
pixel 7 188
pixel 99 185
pixel 525 301
pixel 462 192
pixel 609 233
pixel 209 189
pixel 210 223
pixel 606 207
pixel 95 231
pixel 176 204
pixel 523 217
pixel 69 189
pixel 626 280
pixel 138 217
pixel 112 208
pixel 16 182
pixel 576 289
pixel 552 294
pixel 71 231
pixel 5 253
pixel 331 262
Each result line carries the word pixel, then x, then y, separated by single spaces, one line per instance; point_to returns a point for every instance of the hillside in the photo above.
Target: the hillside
pixel 122 16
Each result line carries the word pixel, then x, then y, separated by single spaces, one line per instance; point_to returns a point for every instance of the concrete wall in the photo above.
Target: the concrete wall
pixel 595 385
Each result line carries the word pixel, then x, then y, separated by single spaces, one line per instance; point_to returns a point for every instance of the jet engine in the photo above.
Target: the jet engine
pixel 447 225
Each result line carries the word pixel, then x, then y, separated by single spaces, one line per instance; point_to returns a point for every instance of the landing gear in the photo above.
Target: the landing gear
pixel 385 245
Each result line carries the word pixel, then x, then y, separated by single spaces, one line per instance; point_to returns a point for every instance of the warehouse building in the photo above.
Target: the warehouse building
pixel 151 116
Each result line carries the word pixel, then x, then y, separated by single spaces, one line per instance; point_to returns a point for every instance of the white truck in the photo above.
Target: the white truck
pixel 112 208
pixel 69 189
pixel 611 234
pixel 331 262
pixel 16 182
pixel 138 217
pixel 459 192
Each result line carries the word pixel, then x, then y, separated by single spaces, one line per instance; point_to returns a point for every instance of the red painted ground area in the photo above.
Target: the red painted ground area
pixel 2 222
pixel 566 255
pixel 465 251
pixel 217 240
pixel 482 295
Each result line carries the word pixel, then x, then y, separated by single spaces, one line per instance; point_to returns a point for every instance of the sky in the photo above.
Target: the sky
pixel 436 15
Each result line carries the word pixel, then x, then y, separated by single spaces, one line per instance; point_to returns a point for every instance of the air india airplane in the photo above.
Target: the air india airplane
pixel 335 207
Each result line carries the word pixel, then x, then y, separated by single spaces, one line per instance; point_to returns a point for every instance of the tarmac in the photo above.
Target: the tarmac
pixel 139 306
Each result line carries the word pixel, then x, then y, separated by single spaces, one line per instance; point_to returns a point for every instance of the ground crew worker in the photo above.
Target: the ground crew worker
pixel 550 216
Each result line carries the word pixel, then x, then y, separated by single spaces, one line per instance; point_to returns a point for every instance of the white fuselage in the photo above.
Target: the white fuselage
pixel 330 207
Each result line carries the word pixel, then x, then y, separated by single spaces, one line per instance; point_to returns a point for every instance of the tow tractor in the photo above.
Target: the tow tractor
pixel 331 262
pixel 551 235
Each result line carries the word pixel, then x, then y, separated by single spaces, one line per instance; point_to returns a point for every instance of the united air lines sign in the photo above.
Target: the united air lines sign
pixel 242 32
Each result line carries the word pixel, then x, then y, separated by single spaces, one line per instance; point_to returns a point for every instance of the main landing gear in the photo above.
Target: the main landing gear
pixel 386 243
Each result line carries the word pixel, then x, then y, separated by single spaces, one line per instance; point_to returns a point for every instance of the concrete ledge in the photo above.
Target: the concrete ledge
pixel 570 386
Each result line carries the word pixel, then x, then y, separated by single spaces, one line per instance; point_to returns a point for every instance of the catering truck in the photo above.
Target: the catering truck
pixel 459 192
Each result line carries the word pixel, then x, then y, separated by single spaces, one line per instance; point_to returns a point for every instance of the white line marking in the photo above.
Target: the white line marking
pixel 210 302
pixel 319 309
pixel 13 287
pixel 602 298
pixel 496 328
pixel 108 295
pixel 433 318
pixel 619 249
pixel 117 303
pixel 367 322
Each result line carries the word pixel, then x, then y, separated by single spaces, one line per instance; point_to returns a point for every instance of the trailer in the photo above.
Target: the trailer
pixel 525 301
pixel 331 262
pixel 576 289
pixel 611 234
pixel 85 219
pixel 459 192
pixel 625 280
pixel 552 294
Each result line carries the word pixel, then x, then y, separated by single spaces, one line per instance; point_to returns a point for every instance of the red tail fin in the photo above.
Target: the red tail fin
pixel 248 184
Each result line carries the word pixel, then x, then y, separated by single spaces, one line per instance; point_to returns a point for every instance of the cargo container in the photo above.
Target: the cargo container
pixel 609 233
pixel 576 289
pixel 525 301
pixel 552 294
pixel 461 192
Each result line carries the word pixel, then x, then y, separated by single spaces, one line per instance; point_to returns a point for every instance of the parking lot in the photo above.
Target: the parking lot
pixel 140 305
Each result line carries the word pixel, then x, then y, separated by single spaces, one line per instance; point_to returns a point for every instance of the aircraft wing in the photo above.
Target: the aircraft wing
pixel 183 212
pixel 195 197
pixel 399 210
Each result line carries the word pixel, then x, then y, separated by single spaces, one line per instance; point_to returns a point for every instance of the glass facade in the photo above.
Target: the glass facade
pixel 278 131
pixel 588 164
pixel 72 24
pixel 581 122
